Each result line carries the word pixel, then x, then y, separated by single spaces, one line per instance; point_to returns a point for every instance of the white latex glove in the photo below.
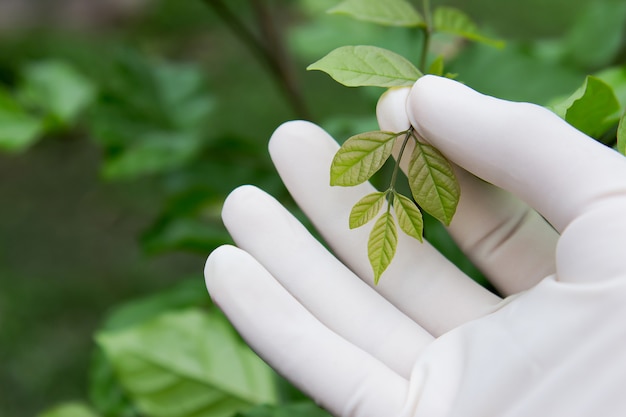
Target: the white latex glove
pixel 428 341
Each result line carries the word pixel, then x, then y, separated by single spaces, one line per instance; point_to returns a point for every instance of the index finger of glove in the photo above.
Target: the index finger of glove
pixel 574 182
pixel 492 227
pixel 521 147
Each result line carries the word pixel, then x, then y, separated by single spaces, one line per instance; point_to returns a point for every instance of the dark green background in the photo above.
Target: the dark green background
pixel 74 244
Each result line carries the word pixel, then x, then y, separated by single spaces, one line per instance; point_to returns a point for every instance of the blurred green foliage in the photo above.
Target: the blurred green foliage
pixel 164 113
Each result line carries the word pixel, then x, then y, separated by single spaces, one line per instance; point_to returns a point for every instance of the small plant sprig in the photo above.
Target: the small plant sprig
pixel 431 179
pixel 432 182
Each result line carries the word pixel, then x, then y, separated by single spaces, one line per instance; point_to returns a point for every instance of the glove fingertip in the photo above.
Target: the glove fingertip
pixel 391 110
pixel 289 134
pixel 219 266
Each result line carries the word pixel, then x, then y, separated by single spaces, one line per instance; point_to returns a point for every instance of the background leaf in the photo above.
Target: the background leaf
pixel 58 90
pixel 105 390
pixel 616 78
pixel 185 294
pixel 366 209
pixel 453 21
pixel 363 65
pixel 106 394
pixel 161 126
pixel 188 363
pixel 360 157
pixel 386 13
pixel 432 182
pixel 409 216
pixel 592 109
pixel 18 129
pixel 382 244
pixel 150 153
pixel 436 67
pixel 70 409
pixel 181 233
pixel 597 34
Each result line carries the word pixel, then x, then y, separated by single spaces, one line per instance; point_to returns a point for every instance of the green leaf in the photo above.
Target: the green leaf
pixel 190 234
pixel 187 293
pixel 432 182
pixel 621 135
pixel 616 78
pixel 362 65
pixel 597 34
pixel 155 152
pixel 409 216
pixel 18 129
pixel 454 21
pixel 592 108
pixel 58 89
pixel 436 67
pixel 190 220
pixel 105 392
pixel 360 157
pixel 314 38
pixel 69 409
pixel 188 363
pixel 382 244
pixel 160 127
pixel 386 13
pixel 366 209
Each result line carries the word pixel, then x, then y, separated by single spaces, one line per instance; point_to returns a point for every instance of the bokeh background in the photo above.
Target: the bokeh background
pixel 135 118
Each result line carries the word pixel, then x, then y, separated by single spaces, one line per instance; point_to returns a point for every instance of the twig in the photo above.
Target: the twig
pixel 427 34
pixel 271 53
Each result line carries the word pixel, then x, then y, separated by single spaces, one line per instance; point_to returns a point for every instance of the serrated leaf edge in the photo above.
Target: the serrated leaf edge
pixel 454 192
pixel 369 206
pixel 407 211
pixel 347 175
pixel 382 244
pixel 392 80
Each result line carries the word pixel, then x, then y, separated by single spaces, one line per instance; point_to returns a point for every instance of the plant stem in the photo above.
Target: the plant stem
pixel 276 48
pixel 272 53
pixel 396 168
pixel 427 35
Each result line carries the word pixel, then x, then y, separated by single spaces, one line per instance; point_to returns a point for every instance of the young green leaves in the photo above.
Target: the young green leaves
pixel 381 247
pixel 360 157
pixel 431 179
pixel 433 185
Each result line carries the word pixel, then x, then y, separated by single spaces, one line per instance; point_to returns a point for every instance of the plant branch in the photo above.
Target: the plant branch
pixel 271 52
pixel 238 28
pixel 427 35
pixel 276 47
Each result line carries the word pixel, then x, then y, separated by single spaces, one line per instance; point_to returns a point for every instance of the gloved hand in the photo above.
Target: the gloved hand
pixel 428 341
